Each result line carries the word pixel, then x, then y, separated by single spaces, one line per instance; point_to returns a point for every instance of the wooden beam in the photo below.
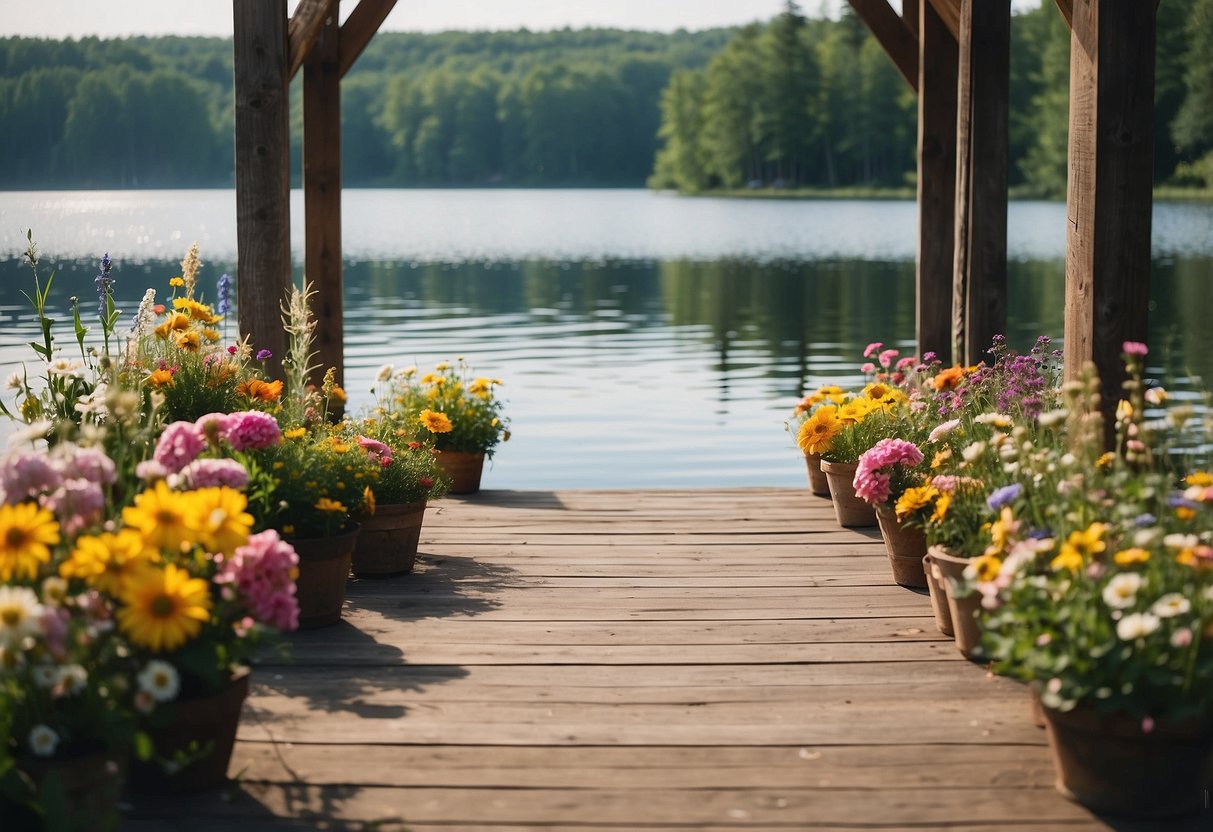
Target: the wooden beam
pixel 909 16
pixel 1067 11
pixel 304 28
pixel 949 13
pixel 979 301
pixel 1109 200
pixel 263 223
pixel 322 195
pixel 362 24
pixel 893 34
pixel 936 183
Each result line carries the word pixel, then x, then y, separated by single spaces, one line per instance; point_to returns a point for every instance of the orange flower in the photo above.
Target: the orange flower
pixel 160 378
pixel 189 341
pixel 949 378
pixel 255 388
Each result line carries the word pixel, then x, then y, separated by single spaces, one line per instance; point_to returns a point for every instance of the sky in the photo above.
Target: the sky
pixel 119 18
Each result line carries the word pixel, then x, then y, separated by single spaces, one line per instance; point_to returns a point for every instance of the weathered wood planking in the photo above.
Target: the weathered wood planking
pixel 599 661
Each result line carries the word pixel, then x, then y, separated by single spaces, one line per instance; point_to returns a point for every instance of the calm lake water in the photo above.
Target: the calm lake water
pixel 645 339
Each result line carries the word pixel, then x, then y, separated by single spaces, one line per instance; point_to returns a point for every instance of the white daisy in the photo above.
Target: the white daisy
pixel 20 615
pixel 73 678
pixel 1121 591
pixel 1171 605
pixel 43 740
pixel 160 679
pixel 385 373
pixel 45 675
pixel 1135 626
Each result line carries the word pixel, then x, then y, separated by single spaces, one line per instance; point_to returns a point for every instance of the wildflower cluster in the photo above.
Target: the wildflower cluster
pixel 449 407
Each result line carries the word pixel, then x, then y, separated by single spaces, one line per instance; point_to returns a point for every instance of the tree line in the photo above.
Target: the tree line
pixel 797 101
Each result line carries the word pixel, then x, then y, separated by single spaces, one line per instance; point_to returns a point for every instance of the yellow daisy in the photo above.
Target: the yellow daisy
pixel 164 608
pixel 817 433
pixel 27 531
pixel 107 561
pixel 167 519
pixel 435 422
pixel 223 522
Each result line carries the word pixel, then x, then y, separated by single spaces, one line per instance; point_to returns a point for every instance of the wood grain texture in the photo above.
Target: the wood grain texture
pixel 304 28
pixel 688 678
pixel 362 24
pixel 893 34
pixel 263 222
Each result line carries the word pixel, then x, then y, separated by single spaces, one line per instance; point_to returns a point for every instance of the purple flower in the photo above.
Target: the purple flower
pixel 1004 496
pixel 1144 520
pixel 223 304
pixel 28 475
pixel 179 445
pixel 264 355
pixel 209 473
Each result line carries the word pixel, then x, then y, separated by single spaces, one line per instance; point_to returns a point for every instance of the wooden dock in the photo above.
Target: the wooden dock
pixel 634 661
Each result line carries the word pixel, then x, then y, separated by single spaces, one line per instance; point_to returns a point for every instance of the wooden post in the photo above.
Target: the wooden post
pixel 893 34
pixel 263 226
pixel 979 297
pixel 322 193
pixel 1109 198
pixel 936 182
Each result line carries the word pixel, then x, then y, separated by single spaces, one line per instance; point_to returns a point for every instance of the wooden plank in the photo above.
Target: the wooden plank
pixel 263 243
pixel 322 197
pixel 893 35
pixel 949 13
pixel 1110 199
pixel 304 27
pixel 362 24
pixel 909 16
pixel 937 67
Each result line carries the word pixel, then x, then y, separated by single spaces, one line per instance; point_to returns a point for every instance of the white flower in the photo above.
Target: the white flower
pixel 974 451
pixel 1068 460
pixel 1121 591
pixel 1171 605
pixel 943 430
pixel 1181 541
pixel 998 420
pixel 73 678
pixel 1156 396
pixel 43 740
pixel 45 675
pixel 20 615
pixel 14 381
pixel 1137 625
pixel 65 368
pixel 32 432
pixel 1052 418
pixel 1146 538
pixel 160 679
pixel 385 373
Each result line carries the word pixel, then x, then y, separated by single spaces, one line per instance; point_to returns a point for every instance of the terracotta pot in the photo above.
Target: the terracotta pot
pixel 324 566
pixel 939 596
pixel 192 725
pixel 851 511
pixel 92 786
pixel 906 547
pixel 387 541
pixel 818 484
pixel 1108 764
pixel 1035 708
pixel 963 610
pixel 464 469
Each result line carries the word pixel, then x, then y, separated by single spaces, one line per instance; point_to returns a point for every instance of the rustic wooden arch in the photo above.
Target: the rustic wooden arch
pixel 954 53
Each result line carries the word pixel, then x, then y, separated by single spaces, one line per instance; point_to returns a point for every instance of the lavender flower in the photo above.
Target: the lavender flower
pixel 1004 496
pixel 105 285
pixel 223 304
pixel 264 355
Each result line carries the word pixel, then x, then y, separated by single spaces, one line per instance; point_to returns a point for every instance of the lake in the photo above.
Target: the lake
pixel 645 339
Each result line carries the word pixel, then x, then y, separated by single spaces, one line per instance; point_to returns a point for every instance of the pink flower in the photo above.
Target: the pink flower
pixel 868 369
pixel 27 475
pixel 212 426
pixel 1135 348
pixel 261 572
pixel 376 451
pixel 906 363
pixel 1181 637
pixel 78 503
pixel 1147 725
pixel 886 357
pixel 945 482
pixel 209 473
pixel 179 445
pixel 93 465
pixel 150 470
pixel 251 429
pixel 872 348
pixel 943 430
pixel 871 482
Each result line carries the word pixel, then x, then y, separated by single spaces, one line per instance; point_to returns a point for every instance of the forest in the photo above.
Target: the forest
pixel 796 102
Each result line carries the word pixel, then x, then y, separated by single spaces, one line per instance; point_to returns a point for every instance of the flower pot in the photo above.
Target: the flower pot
pixel 464 469
pixel 939 596
pixel 818 484
pixel 92 785
pixel 193 724
pixel 387 541
pixel 851 511
pixel 1036 708
pixel 963 609
pixel 1109 764
pixel 906 547
pixel 324 566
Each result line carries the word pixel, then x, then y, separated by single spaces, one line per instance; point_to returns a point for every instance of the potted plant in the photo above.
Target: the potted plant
pixel 459 413
pixel 814 424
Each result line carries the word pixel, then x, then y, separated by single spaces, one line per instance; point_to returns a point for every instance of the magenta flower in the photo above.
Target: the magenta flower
pixel 376 450
pixel 871 478
pixel 259 572
pixel 179 445
pixel 251 429
pixel 886 357
pixel 1135 348
pixel 210 473
pixel 28 475
pixel 872 348
pixel 906 363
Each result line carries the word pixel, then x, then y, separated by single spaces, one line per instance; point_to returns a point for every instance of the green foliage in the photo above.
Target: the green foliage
pixel 447 408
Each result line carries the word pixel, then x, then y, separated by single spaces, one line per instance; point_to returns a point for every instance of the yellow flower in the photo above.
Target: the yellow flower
pixel 914 498
pixel 941 457
pixel 435 422
pixel 211 335
pixel 325 504
pixel 1069 558
pixel 480 387
pixel 223 522
pixel 987 567
pixel 368 498
pixel 1002 529
pixel 175 282
pixel 189 341
pixel 856 410
pixel 295 433
pixel 1105 459
pixel 1090 542
pixel 167 519
pixel 429 378
pixel 1184 513
pixel 107 561
pixel 164 608
pixel 27 531
pixel 1131 557
pixel 160 378
pixel 942 503
pixel 1202 478
pixel 817 433
pixel 197 311
pixel 339 447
